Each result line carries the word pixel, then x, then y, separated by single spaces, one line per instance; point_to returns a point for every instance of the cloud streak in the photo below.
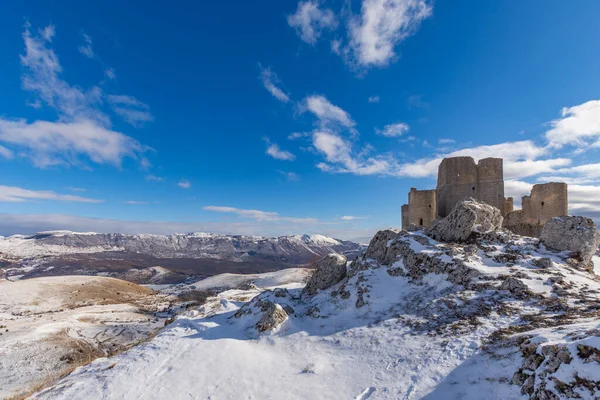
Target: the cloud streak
pixel 14 194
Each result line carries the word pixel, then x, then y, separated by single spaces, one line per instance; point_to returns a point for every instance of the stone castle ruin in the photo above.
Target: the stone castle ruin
pixel 460 178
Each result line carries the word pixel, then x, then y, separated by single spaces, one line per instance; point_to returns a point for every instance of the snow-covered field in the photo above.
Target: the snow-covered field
pixel 459 323
pixel 51 325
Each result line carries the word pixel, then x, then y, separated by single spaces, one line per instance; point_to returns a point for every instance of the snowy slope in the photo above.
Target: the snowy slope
pixel 502 318
pixel 191 245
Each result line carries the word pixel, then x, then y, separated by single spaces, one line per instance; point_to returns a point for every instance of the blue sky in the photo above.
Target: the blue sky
pixel 282 117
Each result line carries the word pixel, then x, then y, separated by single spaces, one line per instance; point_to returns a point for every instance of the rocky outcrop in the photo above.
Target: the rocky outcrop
pixel 467 217
pixel 273 316
pixel 330 270
pixel 574 234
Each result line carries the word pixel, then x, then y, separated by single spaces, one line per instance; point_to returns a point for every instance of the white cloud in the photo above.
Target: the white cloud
pixel 298 135
pixel 110 73
pixel 446 141
pixel 184 183
pixel 17 194
pixel 328 113
pixel 6 153
pixel 274 151
pixel 76 189
pixel 86 47
pixel 154 178
pixel 55 143
pixel 270 82
pixel 290 176
pixel 381 26
pixel 351 218
pixel 576 127
pixel 135 202
pixel 338 153
pixel 82 130
pixel 258 215
pixel 131 109
pixel 47 33
pixel 309 21
pixel 393 130
pixel 373 99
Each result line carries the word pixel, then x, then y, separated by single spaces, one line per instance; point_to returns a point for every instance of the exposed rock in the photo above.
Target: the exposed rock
pixel 514 286
pixel 543 262
pixel 379 244
pixel 468 216
pixel 575 234
pixel 274 315
pixel 331 269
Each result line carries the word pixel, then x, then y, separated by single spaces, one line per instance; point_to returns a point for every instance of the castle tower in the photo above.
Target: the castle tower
pixel 422 207
pixel 460 178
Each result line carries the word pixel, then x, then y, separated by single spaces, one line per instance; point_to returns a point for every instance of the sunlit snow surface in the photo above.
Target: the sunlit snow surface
pixel 346 352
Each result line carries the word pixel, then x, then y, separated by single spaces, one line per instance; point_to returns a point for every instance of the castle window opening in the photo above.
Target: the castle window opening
pixel 473 187
pixel 542 204
pixel 420 221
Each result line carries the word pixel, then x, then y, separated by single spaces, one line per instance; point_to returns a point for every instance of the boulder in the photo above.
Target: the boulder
pixel 329 270
pixel 575 234
pixel 273 316
pixel 468 216
pixel 378 246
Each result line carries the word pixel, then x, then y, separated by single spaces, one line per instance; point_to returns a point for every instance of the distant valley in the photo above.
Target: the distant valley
pixel 155 259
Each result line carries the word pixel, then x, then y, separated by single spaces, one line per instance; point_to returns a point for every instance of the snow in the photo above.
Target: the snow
pixel 374 335
pixel 264 281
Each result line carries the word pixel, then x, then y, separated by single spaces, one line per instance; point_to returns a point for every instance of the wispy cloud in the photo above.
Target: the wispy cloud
pixel 132 110
pixel 154 178
pixel 298 135
pixel 374 99
pixel 135 202
pixel 17 194
pixel 83 131
pixel 351 218
pixel 328 114
pixel 393 130
pixel 270 82
pixel 446 141
pixel 76 189
pixel 381 26
pixel 274 151
pixel 309 21
pixel 110 74
pixel 289 176
pixel 258 215
pixel 86 47
pixel 184 183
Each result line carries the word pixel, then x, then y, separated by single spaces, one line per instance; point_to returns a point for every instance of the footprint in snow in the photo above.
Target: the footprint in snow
pixel 365 394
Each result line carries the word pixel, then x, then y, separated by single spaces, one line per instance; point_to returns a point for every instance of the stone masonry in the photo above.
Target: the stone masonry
pixel 546 201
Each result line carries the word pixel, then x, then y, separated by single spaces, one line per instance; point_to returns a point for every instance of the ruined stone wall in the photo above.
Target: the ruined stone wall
pixel 422 207
pixel 509 205
pixel 546 201
pixel 460 178
pixel 405 216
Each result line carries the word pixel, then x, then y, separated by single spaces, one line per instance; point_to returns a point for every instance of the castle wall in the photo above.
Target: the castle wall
pixel 405 216
pixel 546 201
pixel 509 205
pixel 460 178
pixel 422 207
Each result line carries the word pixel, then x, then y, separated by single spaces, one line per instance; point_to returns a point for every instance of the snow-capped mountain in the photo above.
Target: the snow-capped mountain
pixel 192 254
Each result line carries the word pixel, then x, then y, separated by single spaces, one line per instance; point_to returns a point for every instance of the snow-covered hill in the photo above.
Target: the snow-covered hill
pixel 131 257
pixel 499 318
pixel 191 245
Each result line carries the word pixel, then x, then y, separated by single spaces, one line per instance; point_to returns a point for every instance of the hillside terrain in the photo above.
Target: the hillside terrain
pixel 51 325
pixel 154 259
pixel 497 316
